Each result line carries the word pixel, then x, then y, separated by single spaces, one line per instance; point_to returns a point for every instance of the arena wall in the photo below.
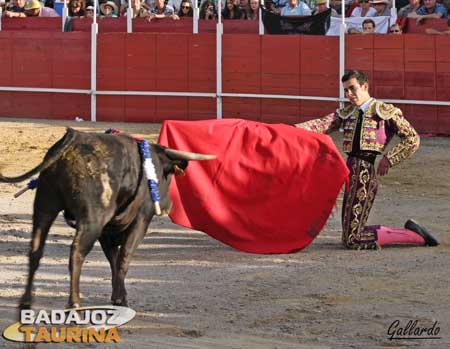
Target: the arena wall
pixel 408 67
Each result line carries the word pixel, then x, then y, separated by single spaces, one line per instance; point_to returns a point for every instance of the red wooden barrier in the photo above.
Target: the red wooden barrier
pixel 155 62
pixel 45 59
pixel 399 67
pixel 184 25
pixel 414 28
pixel 48 24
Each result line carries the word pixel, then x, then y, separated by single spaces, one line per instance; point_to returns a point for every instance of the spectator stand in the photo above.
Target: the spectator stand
pixel 237 75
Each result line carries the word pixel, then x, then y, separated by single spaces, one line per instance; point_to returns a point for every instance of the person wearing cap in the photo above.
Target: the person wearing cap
pixel 369 126
pixel 296 8
pixel 34 8
pixel 381 8
pixel 16 9
pixel 89 12
pixel 321 6
pixel 430 9
pixel 109 9
pixel 363 10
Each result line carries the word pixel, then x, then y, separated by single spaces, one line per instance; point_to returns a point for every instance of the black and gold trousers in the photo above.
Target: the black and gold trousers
pixel 358 200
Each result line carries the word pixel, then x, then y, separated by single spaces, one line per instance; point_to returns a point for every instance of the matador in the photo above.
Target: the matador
pixel 369 125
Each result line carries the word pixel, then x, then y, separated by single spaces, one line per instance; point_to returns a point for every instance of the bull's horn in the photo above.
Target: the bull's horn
pixel 185 155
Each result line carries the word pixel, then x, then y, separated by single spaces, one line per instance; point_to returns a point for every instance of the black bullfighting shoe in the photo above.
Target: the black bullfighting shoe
pixel 415 227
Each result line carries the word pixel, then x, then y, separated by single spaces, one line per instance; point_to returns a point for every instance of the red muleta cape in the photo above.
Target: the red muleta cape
pixel 270 190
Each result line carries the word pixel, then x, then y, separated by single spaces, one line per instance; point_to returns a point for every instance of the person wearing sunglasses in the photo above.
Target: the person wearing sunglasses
pixel 89 11
pixel 186 9
pixel 363 10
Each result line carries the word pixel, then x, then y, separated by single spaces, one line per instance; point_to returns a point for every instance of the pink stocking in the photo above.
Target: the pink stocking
pixel 392 236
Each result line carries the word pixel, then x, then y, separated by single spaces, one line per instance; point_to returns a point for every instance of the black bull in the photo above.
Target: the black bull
pixel 99 182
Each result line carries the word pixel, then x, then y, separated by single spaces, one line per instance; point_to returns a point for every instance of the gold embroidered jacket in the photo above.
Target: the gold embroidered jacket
pixel 380 123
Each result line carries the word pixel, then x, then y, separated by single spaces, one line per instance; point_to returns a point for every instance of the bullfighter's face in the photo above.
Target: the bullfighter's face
pixel 356 93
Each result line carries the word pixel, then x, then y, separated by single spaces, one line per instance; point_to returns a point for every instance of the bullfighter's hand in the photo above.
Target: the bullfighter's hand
pixel 383 167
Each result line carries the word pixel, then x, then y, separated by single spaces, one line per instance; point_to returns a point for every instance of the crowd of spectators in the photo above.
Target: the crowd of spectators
pixel 235 9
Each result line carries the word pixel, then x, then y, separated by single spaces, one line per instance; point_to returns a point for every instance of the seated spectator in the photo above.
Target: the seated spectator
pixel 337 5
pixel 139 11
pixel 437 32
pixel 186 9
pixel 368 26
pixel 279 4
pixel 33 8
pixel 231 10
pixel 364 10
pixel 270 6
pixel 252 11
pixel 321 6
pixel 148 4
pixel 162 11
pixel 430 9
pixel 76 8
pixel 395 29
pixel 381 8
pixel 89 11
pixel 208 10
pixel 109 9
pixel 243 6
pixel 412 7
pixel 296 8
pixel 15 9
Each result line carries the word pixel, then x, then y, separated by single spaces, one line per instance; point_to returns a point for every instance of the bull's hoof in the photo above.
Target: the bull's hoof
pixel 73 305
pixel 24 305
pixel 120 302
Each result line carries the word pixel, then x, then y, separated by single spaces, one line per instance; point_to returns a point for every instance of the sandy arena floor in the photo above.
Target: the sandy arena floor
pixel 191 291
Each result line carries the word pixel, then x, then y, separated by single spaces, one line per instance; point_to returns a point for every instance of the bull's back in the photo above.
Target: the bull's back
pixel 98 172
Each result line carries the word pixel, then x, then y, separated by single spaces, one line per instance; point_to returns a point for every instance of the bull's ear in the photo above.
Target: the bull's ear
pixel 176 167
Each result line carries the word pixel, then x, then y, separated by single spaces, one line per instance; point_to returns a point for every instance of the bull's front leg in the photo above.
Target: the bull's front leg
pixel 82 244
pixel 135 234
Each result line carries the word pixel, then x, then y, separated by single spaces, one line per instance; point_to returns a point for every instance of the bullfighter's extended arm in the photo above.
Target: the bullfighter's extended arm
pixel 326 124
